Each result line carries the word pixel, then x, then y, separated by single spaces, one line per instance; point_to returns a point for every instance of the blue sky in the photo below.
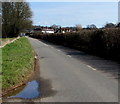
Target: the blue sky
pixel 72 13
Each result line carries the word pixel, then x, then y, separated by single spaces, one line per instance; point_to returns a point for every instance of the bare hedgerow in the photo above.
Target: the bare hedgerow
pixel 103 42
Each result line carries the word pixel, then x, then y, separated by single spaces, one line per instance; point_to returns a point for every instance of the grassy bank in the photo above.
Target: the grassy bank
pixel 5 40
pixel 17 62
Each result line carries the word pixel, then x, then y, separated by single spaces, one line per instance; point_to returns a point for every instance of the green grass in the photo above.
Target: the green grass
pixel 17 62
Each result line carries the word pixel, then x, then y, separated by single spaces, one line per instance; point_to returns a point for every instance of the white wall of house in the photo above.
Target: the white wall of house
pixel 47 31
pixel 63 31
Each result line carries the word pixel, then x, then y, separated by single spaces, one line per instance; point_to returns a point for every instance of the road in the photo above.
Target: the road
pixel 73 77
pixel 68 75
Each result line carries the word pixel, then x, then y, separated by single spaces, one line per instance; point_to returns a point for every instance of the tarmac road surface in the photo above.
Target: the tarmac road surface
pixel 72 77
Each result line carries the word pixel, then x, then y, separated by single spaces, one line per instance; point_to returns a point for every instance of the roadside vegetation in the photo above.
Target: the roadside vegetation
pixel 103 42
pixel 3 41
pixel 18 57
pixel 17 62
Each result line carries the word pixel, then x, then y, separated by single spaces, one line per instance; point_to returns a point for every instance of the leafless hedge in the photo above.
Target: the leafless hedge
pixel 102 42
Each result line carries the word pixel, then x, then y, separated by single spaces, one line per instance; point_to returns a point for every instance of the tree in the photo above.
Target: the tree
pixel 92 26
pixel 110 25
pixel 78 27
pixel 16 17
pixel 118 25
pixel 57 28
pixel 54 26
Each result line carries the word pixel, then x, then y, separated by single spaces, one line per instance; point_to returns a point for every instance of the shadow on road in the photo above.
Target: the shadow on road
pixel 112 68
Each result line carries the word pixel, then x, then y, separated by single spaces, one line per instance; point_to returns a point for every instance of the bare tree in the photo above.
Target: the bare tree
pixel 16 17
pixel 110 25
pixel 92 26
pixel 118 25
pixel 78 27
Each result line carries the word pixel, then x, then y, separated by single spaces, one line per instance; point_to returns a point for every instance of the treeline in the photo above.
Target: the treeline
pixel 102 42
pixel 16 18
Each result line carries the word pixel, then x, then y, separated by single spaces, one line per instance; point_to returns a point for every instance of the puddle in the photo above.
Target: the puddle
pixel 30 91
pixel 37 87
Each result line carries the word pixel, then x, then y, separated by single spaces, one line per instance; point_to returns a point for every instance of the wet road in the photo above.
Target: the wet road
pixel 75 76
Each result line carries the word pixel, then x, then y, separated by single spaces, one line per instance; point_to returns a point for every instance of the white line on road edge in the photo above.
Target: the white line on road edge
pixel 58 50
pixel 53 88
pixel 69 56
pixel 52 47
pixel 91 67
pixel 44 44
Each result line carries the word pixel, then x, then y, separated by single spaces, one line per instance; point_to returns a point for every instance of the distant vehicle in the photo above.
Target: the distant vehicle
pixel 22 34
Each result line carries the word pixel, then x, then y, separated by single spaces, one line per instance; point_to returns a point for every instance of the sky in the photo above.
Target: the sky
pixel 72 13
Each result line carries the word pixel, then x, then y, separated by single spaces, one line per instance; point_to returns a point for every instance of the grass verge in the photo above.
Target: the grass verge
pixel 17 62
pixel 5 40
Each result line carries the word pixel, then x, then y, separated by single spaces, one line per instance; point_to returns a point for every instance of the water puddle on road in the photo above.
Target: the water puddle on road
pixel 36 87
pixel 29 91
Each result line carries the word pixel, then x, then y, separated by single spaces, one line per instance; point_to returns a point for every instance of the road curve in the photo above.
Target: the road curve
pixel 73 79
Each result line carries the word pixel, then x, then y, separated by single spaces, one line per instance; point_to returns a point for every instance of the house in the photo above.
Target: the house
pixel 66 29
pixel 50 31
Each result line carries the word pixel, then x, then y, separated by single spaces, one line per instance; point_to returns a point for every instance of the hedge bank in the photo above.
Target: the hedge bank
pixel 101 42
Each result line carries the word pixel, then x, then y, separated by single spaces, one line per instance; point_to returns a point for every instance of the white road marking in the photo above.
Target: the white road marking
pixel 58 50
pixel 69 56
pixel 53 88
pixel 45 44
pixel 52 47
pixel 91 67
pixel 113 77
